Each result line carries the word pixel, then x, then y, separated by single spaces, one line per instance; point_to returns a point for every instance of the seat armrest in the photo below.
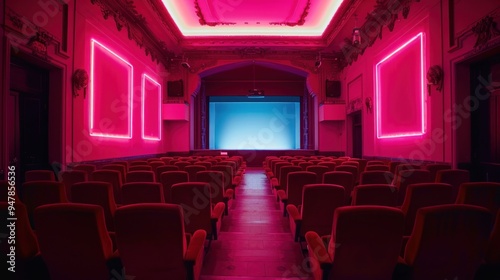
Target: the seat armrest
pixel 318 250
pixel 282 195
pixel 293 212
pixel 402 271
pixel 218 211
pixel 229 194
pixel 274 182
pixel 195 246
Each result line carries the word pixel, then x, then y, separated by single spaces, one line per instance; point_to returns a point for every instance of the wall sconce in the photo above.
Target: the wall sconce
pixel 435 77
pixel 80 81
pixel 369 104
pixel 356 33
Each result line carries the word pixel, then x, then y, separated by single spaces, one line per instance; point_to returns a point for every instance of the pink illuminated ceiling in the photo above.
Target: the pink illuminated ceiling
pixel 208 18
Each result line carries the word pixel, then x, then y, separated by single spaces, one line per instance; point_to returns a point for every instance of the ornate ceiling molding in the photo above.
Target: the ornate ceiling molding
pixel 338 22
pixel 202 20
pixel 300 21
pixel 126 15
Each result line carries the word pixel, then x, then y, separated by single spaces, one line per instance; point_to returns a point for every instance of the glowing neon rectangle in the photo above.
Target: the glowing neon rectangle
pixel 400 91
pixel 151 109
pixel 110 93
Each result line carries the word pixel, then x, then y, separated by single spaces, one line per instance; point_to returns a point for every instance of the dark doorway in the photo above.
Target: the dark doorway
pixel 29 95
pixel 357 136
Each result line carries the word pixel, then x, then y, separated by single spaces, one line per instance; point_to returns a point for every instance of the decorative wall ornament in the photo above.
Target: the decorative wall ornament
pixel 202 20
pixel 38 44
pixel 435 77
pixel 484 30
pixel 300 21
pixel 385 13
pixel 369 104
pixel 80 81
pixel 355 105
pixel 126 16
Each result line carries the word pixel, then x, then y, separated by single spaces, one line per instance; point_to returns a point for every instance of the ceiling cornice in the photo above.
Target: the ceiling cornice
pixel 125 15
pixel 340 19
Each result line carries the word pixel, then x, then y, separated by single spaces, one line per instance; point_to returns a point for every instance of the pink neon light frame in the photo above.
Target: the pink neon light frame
pixel 93 44
pixel 143 99
pixel 419 36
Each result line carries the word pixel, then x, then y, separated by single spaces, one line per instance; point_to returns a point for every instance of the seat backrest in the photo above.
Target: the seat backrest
pixel 319 202
pixel 182 164
pixel 376 177
pixel 424 195
pixel 375 162
pixel 26 243
pixel 407 177
pixel 493 251
pixel 110 176
pixel 305 164
pixel 319 171
pixel 331 165
pixel 454 177
pixel 207 164
pixel 349 168
pixel 144 167
pixel 435 167
pixel 152 241
pixel 71 177
pixel 39 175
pixel 155 164
pixel 97 193
pixel 194 197
pixel 342 178
pixel 142 192
pixel 284 171
pixel 170 178
pixel 278 166
pixel 89 168
pixel 140 176
pixel 484 194
pixel 296 182
pixel 377 167
pixel 164 168
pixel 228 174
pixel 375 194
pixel 62 230
pixel 124 163
pixel 119 167
pixel 216 181
pixel 192 170
pixel 365 241
pixel 138 162
pixel 38 193
pixel 448 241
pixel 406 167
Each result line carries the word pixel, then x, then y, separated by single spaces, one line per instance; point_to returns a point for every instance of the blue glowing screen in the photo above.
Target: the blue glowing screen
pixel 242 123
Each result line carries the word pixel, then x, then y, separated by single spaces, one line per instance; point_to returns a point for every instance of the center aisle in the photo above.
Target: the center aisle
pixel 255 240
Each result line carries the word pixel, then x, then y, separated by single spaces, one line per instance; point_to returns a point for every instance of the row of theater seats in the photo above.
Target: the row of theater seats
pixel 333 203
pixel 91 215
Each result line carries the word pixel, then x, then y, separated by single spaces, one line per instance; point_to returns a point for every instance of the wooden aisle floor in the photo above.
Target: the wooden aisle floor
pixel 255 240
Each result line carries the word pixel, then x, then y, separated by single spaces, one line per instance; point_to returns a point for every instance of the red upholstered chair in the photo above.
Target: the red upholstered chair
pixel 138 162
pixel 97 193
pixel 407 177
pixel 118 167
pixel 319 170
pixel 484 194
pixel 38 193
pixel 198 210
pixel 166 160
pixel 28 262
pixel 140 168
pixel 375 162
pixel 182 164
pixel 142 192
pixel 454 177
pixel 207 164
pixel 155 164
pixel 490 269
pixel 153 243
pixel 435 167
pixel 304 165
pixel 393 165
pixel 230 181
pixel 352 163
pixel 74 242
pixel 424 195
pixel 406 167
pixel 349 168
pixel 362 163
pixel 315 213
pixel 164 168
pixel 70 177
pixel 216 181
pixel 124 163
pixel 89 168
pixel 170 178
pixel 376 167
pixel 114 178
pixel 293 192
pixel 192 170
pixel 153 159
pixel 278 166
pixel 364 244
pixel 281 182
pixel 331 165
pixel 376 177
pixel 375 194
pixel 140 176
pixel 296 162
pixel 448 242
pixel 39 175
pixel 342 178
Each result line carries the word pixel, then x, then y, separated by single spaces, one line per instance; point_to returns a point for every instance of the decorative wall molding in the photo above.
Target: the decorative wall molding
pixel 126 16
pixel 202 20
pixel 25 33
pixel 300 21
pixel 348 9
pixel 355 105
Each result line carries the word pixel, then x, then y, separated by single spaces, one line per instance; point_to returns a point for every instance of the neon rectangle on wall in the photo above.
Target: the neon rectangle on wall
pixel 151 109
pixel 400 91
pixel 110 95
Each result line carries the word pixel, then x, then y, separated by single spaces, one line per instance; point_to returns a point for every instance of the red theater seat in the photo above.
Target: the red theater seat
pixel 408 177
pixel 89 168
pixel 364 244
pixel 293 192
pixel 376 167
pixel 454 177
pixel 142 192
pixel 39 175
pixel 170 178
pixel 110 176
pixel 38 193
pixel 218 192
pixel 435 167
pixel 153 243
pixel 71 177
pixel 140 176
pixel 375 194
pixel 319 171
pixel 342 178
pixel 484 194
pixel 74 242
pixel 376 177
pixel 192 170
pixel 118 167
pixel 144 167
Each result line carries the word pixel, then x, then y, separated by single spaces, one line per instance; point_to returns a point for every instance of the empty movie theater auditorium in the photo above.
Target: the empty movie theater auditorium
pixel 250 139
